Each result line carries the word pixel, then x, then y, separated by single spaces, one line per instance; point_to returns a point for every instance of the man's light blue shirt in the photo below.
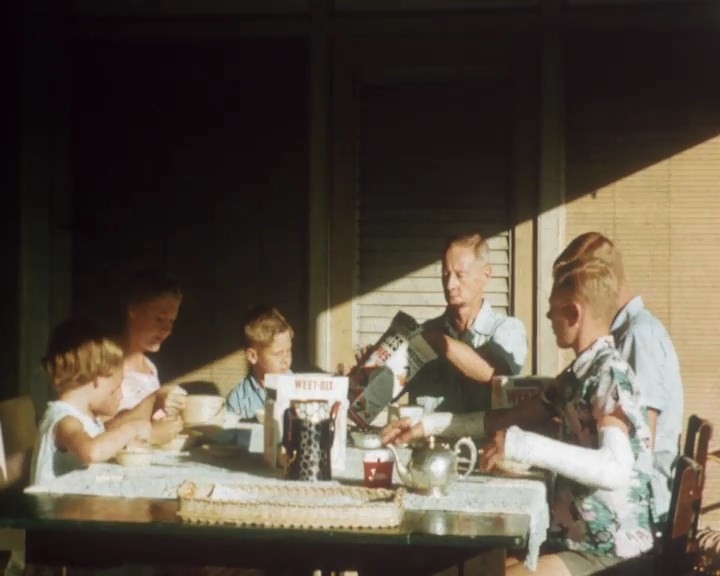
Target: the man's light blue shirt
pixel 246 398
pixel 643 341
pixel 506 333
pixel 499 339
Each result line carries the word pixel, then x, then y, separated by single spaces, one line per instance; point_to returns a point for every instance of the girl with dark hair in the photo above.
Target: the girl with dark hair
pixel 151 306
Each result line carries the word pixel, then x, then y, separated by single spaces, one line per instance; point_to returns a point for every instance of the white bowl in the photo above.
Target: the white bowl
pixel 202 409
pixel 222 451
pixel 412 411
pixel 260 415
pixel 366 440
pixel 136 457
pixel 181 442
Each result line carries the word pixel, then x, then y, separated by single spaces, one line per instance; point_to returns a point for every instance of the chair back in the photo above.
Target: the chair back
pixel 679 542
pixel 3 461
pixel 676 553
pixel 19 429
pixel 697 440
pixel 17 438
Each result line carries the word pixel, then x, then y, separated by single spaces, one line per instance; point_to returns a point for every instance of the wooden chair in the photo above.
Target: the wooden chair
pixel 17 438
pixel 3 461
pixel 679 544
pixel 697 441
pixel 676 551
pixel 17 417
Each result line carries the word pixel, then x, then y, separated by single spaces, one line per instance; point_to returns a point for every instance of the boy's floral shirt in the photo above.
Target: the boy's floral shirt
pixel 608 522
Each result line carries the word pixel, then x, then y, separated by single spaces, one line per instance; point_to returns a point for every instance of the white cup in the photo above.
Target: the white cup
pixel 429 403
pixel 413 412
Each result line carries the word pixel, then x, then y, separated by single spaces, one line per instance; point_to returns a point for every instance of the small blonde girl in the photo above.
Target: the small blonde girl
pixel 86 370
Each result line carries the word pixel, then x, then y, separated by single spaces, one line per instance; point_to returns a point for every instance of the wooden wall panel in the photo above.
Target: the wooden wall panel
pixel 643 167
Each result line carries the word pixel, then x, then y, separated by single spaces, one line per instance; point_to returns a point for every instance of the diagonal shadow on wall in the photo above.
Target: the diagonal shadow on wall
pixel 193 156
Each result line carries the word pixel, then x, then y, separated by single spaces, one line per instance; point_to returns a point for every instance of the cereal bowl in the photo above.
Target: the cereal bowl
pixel 134 457
pixel 366 440
pixel 181 442
pixel 202 409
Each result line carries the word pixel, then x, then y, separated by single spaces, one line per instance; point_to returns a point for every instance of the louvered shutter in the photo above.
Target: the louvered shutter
pixel 434 161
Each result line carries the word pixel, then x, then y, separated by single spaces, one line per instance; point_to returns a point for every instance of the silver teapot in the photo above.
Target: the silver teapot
pixel 433 467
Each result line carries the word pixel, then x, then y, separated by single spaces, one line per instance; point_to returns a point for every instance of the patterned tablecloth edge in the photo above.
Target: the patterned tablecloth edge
pixel 515 496
pixel 301 505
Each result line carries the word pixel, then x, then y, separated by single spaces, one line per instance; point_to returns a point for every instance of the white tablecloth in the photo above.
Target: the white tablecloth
pixel 479 493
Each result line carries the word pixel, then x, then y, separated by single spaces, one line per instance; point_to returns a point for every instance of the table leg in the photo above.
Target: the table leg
pixel 488 563
pixel 491 562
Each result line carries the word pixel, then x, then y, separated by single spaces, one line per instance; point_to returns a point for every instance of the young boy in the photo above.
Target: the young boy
pixel 602 504
pixel 268 349
pixel 646 345
pixel 86 370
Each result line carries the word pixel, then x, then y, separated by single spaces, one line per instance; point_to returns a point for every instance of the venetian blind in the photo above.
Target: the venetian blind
pixel 644 169
pixel 434 161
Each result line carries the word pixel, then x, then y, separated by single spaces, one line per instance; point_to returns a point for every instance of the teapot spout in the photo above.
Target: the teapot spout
pixel 403 471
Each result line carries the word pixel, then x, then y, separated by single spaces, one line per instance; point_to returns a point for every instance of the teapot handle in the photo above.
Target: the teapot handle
pixel 473 454
pixel 331 422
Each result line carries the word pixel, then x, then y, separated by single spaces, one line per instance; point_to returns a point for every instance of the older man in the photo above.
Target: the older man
pixel 642 341
pixel 473 342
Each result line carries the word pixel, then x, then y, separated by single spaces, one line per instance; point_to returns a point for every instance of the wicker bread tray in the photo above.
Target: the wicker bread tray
pixel 293 505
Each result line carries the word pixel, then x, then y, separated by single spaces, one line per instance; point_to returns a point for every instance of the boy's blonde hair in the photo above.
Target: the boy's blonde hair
pixel 591 281
pixel 592 245
pixel 78 353
pixel 261 325
pixel 475 241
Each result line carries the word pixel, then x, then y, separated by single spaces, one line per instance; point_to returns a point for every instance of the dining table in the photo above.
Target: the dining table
pixel 109 515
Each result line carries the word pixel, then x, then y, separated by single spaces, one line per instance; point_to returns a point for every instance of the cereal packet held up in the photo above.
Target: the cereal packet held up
pixel 392 362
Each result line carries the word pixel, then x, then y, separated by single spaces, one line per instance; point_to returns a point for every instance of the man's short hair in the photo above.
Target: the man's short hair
pixel 593 245
pixel 474 241
pixel 591 281
pixel 261 324
pixel 78 352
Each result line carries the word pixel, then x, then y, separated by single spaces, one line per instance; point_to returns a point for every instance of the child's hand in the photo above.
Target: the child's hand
pixel 165 430
pixel 143 430
pixel 137 446
pixel 171 399
pixel 494 452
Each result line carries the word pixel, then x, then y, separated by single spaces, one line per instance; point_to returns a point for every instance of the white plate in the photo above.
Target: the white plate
pixel 513 467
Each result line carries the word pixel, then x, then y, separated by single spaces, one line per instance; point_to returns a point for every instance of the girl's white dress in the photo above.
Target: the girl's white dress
pixel 137 386
pixel 48 461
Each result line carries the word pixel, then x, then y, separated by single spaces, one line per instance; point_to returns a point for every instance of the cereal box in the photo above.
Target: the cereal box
pixel 282 389
pixel 507 391
pixel 393 361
